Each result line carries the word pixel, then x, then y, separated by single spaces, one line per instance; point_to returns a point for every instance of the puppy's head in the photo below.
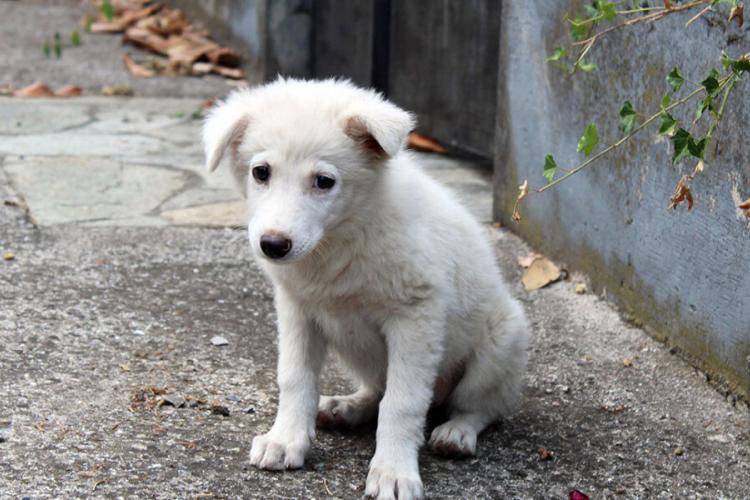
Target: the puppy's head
pixel 307 155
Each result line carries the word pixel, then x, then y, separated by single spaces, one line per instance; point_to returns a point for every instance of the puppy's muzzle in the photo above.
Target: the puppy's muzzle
pixel 274 245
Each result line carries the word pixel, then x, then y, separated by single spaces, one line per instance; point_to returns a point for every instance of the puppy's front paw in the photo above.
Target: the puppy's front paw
pixel 454 439
pixel 390 479
pixel 273 451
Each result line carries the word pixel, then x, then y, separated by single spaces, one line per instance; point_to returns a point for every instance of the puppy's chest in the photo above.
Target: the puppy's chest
pixel 350 332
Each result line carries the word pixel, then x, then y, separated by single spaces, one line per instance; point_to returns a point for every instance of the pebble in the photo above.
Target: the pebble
pixel 233 397
pixel 720 438
pixel 139 332
pixel 249 410
pixel 174 399
pixel 9 256
pixel 679 451
pixel 219 341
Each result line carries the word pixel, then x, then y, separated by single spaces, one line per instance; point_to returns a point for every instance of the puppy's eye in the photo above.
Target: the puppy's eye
pixel 324 182
pixel 261 173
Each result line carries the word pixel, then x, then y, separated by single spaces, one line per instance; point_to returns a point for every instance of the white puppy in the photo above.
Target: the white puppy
pixel 373 259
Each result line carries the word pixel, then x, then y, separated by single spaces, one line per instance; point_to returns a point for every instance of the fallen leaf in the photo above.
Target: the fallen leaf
pixel 124 367
pixel 627 363
pixel 116 90
pixel 580 288
pixel 667 4
pixel 423 143
pixel 143 38
pixel 540 273
pixel 220 410
pixel 526 261
pixel 682 193
pixel 545 454
pixel 224 56
pixel 209 103
pixel 737 12
pixel 234 73
pixel 37 89
pixel 68 91
pixel 745 205
pixel 523 192
pixel 120 23
pixel 577 495
pixel 188 47
pixel 134 68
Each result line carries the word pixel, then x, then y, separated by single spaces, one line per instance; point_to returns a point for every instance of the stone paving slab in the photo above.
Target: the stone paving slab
pixel 102 315
pixel 94 64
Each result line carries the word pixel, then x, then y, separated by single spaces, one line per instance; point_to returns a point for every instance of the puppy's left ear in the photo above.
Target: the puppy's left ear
pixel 224 126
pixel 380 128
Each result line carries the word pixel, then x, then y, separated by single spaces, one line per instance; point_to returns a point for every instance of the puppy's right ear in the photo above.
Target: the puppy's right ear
pixel 224 126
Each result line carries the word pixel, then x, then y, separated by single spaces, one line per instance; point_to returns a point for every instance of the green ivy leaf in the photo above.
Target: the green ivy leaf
pixel 550 168
pixel 706 103
pixel 75 39
pixel 607 10
pixel 558 54
pixel 726 61
pixel 665 101
pixel 741 66
pixel 711 84
pixel 578 28
pixel 586 66
pixel 680 141
pixel 668 124
pixel 697 148
pixel 675 79
pixel 589 140
pixel 627 117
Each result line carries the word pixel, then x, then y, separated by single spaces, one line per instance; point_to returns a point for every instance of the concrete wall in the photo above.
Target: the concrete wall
pixel 684 275
pixel 443 66
pixel 436 58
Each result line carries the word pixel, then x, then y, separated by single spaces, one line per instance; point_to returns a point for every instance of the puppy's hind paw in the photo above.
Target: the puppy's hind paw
pixel 345 411
pixel 454 439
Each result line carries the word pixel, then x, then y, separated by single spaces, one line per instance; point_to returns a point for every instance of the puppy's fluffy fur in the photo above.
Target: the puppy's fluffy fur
pixel 383 267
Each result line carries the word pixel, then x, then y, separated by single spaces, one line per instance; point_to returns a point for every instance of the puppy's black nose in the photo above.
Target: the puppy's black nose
pixel 275 246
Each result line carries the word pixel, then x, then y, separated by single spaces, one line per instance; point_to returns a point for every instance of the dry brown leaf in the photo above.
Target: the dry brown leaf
pixel 134 68
pixel 224 56
pixel 116 90
pixel 540 273
pixel 738 13
pixel 37 89
pixel 745 205
pixel 188 47
pixel 68 91
pixel 580 288
pixel 523 192
pixel 667 4
pixel 122 22
pixel 167 22
pixel 682 193
pixel 627 363
pixel 209 103
pixel 526 261
pixel 234 73
pixel 424 143
pixel 143 38
pixel 545 454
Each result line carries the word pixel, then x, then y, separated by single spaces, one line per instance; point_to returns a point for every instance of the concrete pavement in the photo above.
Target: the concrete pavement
pixel 126 264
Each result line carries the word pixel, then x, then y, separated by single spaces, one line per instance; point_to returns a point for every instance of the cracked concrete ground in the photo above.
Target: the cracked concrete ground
pixel 127 261
pixel 118 285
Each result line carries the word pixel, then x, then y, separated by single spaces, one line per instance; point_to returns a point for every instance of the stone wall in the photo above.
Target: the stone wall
pixel 684 275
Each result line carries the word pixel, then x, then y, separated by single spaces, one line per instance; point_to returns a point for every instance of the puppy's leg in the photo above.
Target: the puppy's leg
pixel 301 353
pixel 414 351
pixel 491 385
pixel 348 411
